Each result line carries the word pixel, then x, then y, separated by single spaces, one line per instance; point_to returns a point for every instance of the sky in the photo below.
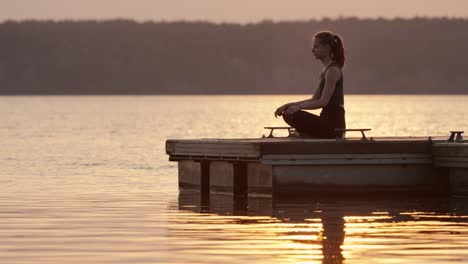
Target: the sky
pixel 239 11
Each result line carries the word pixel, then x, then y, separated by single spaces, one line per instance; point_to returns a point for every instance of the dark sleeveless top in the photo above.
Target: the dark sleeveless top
pixel 337 97
pixel 334 111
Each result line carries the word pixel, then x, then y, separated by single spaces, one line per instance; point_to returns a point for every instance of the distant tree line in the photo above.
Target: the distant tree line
pixel 418 55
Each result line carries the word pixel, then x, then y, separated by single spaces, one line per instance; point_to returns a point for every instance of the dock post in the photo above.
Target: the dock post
pixel 459 181
pixel 205 182
pixel 240 181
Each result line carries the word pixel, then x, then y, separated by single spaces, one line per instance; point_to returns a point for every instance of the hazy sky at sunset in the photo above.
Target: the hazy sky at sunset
pixel 242 11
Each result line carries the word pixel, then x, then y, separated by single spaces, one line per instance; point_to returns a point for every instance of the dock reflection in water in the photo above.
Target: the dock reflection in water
pixel 333 230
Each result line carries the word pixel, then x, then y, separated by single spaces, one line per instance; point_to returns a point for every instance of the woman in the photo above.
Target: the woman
pixel 328 48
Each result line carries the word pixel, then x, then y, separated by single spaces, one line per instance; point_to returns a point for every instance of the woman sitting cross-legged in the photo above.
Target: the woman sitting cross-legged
pixel 328 48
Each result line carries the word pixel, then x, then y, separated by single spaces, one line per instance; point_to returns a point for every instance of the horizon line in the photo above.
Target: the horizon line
pixel 260 21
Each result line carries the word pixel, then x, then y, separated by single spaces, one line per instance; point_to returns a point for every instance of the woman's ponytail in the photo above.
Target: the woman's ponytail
pixel 338 53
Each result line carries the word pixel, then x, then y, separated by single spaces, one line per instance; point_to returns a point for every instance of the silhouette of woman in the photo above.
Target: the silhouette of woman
pixel 328 48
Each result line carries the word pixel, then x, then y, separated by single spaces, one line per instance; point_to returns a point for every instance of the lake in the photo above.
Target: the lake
pixel 85 179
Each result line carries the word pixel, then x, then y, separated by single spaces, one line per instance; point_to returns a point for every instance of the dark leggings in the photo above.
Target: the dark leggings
pixel 315 126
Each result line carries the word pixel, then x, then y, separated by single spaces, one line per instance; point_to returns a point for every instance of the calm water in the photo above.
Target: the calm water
pixel 85 179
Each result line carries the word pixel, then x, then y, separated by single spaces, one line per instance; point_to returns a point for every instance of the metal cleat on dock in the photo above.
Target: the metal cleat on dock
pixel 363 138
pixel 273 128
pixel 459 137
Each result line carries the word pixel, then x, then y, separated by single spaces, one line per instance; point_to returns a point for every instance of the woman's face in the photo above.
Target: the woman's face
pixel 320 51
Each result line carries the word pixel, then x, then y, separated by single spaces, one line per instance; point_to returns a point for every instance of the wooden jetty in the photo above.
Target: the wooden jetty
pixel 293 166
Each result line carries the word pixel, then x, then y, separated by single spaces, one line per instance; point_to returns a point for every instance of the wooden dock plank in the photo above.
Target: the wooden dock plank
pixel 257 147
pixel 298 159
pixel 346 147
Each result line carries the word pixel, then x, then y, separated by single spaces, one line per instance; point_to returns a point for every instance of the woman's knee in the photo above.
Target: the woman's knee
pixel 288 119
pixel 295 118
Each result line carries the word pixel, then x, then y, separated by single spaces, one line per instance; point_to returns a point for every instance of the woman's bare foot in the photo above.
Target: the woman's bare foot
pixel 298 134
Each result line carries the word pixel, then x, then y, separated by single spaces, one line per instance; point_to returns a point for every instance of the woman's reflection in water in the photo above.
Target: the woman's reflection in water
pixel 333 237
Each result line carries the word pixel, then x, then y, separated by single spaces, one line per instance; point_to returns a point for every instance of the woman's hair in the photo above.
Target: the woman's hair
pixel 335 43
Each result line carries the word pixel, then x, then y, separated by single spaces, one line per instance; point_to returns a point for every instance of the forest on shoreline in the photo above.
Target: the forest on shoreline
pixel 384 56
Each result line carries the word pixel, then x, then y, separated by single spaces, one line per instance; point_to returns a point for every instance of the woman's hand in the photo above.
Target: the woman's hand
pixel 282 109
pixel 285 109
pixel 291 110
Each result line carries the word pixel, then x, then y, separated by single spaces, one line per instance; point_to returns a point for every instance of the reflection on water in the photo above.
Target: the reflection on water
pixel 140 227
pixel 85 179
pixel 358 230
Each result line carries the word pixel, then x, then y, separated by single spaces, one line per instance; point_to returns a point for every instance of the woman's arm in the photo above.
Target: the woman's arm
pixel 331 77
pixel 316 94
pixel 314 97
